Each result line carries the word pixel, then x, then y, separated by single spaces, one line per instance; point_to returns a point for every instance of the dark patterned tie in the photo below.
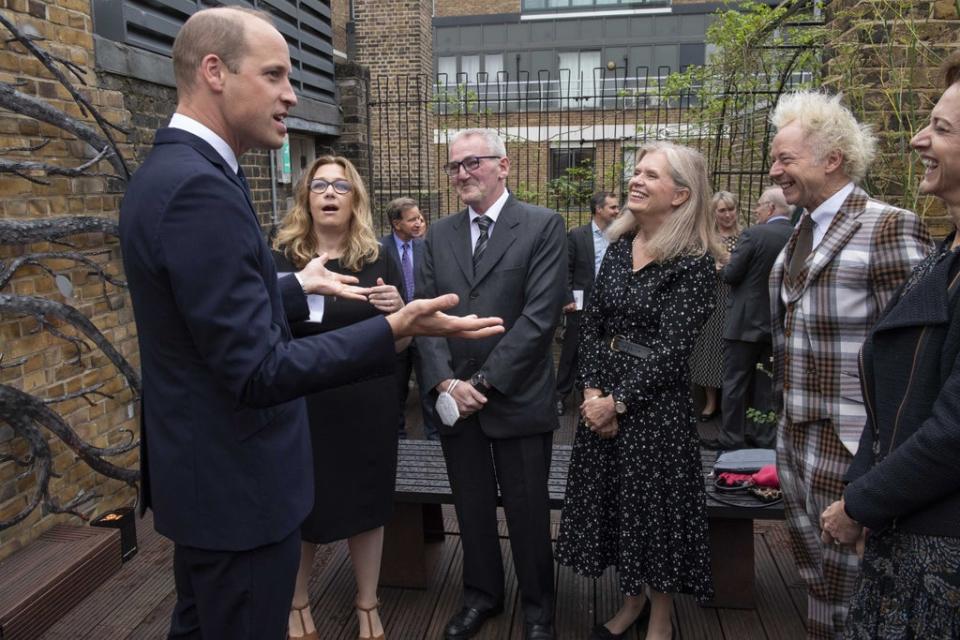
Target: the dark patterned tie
pixel 406 265
pixel 803 247
pixel 484 223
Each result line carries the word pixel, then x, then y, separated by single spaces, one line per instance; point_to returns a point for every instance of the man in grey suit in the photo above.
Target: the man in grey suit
pixel 405 245
pixel 585 248
pixel 746 333
pixel 508 259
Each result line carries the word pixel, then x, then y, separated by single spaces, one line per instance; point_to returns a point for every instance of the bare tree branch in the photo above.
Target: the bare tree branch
pixel 82 393
pixel 19 167
pixel 83 103
pixel 29 149
pixel 42 309
pixel 23 104
pixel 34 259
pixel 17 232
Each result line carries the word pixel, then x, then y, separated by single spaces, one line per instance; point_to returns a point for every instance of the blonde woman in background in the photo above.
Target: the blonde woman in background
pixel 706 362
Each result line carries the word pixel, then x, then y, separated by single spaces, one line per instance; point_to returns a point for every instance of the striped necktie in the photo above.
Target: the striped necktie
pixel 484 223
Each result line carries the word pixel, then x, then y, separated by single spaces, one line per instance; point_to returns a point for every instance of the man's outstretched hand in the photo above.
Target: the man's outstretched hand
pixel 426 318
pixel 317 279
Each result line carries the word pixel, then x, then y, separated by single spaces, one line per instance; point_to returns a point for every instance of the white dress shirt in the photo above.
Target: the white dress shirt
pixel 823 215
pixel 493 213
pixel 188 124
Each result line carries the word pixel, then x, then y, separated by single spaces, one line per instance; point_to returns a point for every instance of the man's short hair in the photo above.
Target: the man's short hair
pixel 396 208
pixel 951 70
pixel 599 199
pixel 220 31
pixel 490 136
pixel 774 195
pixel 829 126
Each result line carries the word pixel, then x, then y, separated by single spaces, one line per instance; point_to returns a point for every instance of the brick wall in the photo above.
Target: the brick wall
pixel 394 41
pixel 887 72
pixel 446 8
pixel 339 17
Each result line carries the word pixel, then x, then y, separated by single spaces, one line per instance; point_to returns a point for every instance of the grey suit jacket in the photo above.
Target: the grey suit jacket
pixel 580 261
pixel 521 278
pixel 390 246
pixel 748 274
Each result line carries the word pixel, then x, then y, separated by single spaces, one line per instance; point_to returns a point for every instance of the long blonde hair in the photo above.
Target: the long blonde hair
pixel 691 228
pixel 296 238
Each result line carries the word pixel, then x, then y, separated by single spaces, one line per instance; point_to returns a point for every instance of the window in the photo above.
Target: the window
pixel 572 176
pixel 547 5
pixel 578 75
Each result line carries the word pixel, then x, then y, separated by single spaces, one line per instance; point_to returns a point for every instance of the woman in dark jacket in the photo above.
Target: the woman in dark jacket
pixel 904 483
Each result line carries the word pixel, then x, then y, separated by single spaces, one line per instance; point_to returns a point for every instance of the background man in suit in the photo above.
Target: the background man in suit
pixel 841 265
pixel 500 255
pixel 405 245
pixel 585 248
pixel 746 331
pixel 224 437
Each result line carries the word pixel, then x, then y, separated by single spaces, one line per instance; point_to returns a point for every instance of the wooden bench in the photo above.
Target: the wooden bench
pixel 422 487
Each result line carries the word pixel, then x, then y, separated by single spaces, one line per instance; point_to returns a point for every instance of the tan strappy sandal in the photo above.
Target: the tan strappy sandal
pixel 313 635
pixel 382 636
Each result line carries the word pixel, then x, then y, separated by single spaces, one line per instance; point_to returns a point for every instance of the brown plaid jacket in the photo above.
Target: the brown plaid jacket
pixel 821 319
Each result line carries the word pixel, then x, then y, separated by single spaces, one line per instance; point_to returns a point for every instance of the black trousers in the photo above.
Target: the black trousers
pixel 407 365
pixel 234 595
pixel 744 387
pixel 475 465
pixel 567 366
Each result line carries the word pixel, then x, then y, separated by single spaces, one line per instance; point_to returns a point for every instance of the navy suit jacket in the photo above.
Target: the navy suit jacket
pixel 225 450
pixel 390 245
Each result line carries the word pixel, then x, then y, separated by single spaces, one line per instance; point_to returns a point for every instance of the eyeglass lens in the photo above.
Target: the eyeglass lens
pixel 340 186
pixel 470 163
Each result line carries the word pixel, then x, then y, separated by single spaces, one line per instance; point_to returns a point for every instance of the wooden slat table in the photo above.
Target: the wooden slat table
pixel 422 487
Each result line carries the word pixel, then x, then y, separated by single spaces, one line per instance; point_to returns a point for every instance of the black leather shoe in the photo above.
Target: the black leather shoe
pixel 539 632
pixel 467 622
pixel 600 632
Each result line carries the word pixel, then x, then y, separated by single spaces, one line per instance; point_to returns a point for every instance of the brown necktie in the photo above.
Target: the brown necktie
pixel 803 247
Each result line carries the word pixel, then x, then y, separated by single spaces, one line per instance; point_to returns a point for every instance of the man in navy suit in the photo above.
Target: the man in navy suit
pixel 746 333
pixel 405 245
pixel 224 437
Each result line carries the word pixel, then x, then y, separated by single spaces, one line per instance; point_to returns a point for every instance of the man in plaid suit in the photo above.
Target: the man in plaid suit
pixel 843 262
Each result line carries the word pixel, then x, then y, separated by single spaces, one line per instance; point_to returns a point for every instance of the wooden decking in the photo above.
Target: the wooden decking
pixel 136 603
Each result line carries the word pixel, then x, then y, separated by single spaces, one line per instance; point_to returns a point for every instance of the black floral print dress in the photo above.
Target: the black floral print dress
pixel 637 501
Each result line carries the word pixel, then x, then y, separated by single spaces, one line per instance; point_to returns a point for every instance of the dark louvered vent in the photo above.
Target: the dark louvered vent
pixel 153 24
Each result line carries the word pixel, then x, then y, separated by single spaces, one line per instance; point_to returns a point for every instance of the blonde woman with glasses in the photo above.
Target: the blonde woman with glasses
pixel 353 427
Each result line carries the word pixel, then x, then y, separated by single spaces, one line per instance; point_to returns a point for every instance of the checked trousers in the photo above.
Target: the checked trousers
pixel 811 463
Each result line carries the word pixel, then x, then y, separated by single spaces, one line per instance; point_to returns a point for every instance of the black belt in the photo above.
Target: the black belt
pixel 618 343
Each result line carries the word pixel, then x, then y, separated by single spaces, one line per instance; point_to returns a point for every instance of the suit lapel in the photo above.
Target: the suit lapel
pixel 460 245
pixel 504 234
pixel 841 229
pixel 589 248
pixel 173 135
